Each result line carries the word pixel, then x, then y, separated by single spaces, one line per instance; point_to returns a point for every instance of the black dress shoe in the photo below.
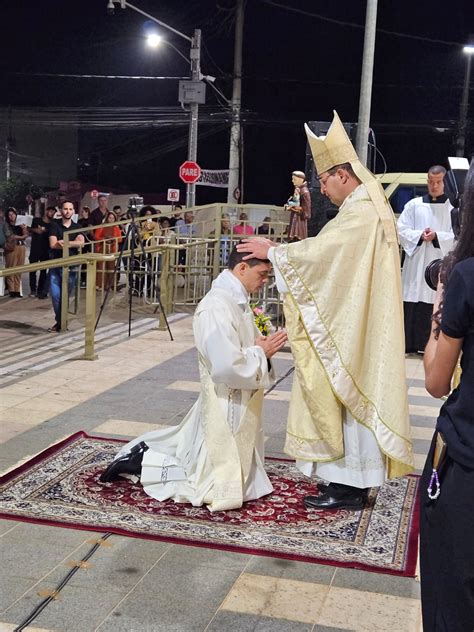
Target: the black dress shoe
pixel 323 487
pixel 130 463
pixel 354 502
pixel 336 489
pixel 340 490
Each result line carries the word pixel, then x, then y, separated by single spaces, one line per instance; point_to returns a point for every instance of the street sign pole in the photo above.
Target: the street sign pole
pixel 194 114
pixel 173 197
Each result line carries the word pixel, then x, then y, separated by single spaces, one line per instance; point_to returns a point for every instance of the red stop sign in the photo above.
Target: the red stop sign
pixel 190 172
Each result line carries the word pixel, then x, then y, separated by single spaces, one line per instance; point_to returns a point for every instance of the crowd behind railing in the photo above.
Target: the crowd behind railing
pixel 202 239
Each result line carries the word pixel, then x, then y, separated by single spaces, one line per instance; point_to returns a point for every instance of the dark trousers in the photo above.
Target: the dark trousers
pixel 40 288
pixel 447 549
pixel 417 318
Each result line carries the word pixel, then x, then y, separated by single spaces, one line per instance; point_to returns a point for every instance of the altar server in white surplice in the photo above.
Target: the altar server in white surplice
pixel 216 455
pixel 425 234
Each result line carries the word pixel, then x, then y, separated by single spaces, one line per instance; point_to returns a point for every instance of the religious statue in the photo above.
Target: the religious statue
pixel 299 205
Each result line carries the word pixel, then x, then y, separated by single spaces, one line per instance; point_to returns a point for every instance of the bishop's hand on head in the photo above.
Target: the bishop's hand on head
pixel 257 248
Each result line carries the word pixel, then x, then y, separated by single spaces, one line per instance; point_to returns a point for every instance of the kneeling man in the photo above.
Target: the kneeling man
pixel 216 455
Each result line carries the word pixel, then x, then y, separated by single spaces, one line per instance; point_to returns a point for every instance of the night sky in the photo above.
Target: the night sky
pixel 296 68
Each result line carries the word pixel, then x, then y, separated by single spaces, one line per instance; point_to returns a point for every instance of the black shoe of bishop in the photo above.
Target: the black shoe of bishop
pixel 353 501
pixel 323 487
pixel 337 490
pixel 130 463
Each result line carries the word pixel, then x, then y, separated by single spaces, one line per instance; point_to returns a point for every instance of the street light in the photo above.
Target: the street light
pixel 195 60
pixel 468 50
pixel 154 40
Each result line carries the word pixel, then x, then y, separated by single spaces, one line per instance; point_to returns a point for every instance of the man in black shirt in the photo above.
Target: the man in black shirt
pixel 56 244
pixel 40 251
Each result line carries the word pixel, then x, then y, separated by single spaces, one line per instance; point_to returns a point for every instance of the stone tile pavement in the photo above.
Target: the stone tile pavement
pixel 137 384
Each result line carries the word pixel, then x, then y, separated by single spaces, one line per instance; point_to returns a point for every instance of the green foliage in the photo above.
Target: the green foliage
pixel 262 321
pixel 13 192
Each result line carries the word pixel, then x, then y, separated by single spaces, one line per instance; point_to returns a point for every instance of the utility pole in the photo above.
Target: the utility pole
pixel 366 81
pixel 234 151
pixel 461 139
pixel 195 56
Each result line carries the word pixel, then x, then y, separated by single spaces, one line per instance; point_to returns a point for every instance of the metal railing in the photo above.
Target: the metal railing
pixel 91 260
pixel 196 261
pixel 172 267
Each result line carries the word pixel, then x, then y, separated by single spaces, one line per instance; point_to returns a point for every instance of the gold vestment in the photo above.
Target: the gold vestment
pixel 344 318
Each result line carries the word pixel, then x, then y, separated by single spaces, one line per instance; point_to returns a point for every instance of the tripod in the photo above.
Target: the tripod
pixel 132 236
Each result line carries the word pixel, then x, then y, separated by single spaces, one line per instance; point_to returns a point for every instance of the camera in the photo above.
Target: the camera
pixel 135 203
pixel 432 271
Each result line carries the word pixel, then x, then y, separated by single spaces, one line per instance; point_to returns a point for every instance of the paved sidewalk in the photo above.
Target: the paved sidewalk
pixel 136 384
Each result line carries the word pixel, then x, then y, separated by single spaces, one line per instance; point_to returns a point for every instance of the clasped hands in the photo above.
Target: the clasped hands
pixel 272 343
pixel 428 234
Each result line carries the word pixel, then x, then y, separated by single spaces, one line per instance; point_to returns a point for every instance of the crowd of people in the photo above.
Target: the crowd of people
pixel 104 231
pixel 98 236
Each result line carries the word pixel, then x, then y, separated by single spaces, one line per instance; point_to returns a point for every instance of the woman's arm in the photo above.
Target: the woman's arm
pixel 12 234
pixel 441 356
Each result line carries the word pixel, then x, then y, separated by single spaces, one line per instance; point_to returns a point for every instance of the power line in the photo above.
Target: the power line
pixel 71 76
pixel 280 79
pixel 107 117
pixel 324 18
pixel 398 86
pixel 146 155
pixel 14 153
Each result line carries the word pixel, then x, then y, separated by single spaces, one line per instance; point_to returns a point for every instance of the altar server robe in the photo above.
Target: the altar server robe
pixel 418 214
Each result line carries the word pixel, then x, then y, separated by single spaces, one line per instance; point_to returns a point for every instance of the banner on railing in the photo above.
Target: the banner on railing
pixel 214 178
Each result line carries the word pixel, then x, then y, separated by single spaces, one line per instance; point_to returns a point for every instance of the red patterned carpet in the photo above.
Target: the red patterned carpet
pixel 61 487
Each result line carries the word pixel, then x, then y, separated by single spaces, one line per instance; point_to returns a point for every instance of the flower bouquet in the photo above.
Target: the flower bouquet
pixel 262 320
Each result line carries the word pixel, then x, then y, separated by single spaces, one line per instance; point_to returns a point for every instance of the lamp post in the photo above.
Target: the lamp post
pixel 235 130
pixel 195 60
pixel 461 138
pixel 365 98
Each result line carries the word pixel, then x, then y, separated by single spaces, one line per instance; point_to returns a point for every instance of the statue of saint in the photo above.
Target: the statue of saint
pixel 299 206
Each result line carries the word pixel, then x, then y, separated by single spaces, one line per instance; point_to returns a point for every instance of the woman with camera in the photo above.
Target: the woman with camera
pixel 447 484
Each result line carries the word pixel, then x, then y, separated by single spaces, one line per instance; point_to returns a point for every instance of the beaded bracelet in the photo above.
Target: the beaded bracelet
pixel 434 479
